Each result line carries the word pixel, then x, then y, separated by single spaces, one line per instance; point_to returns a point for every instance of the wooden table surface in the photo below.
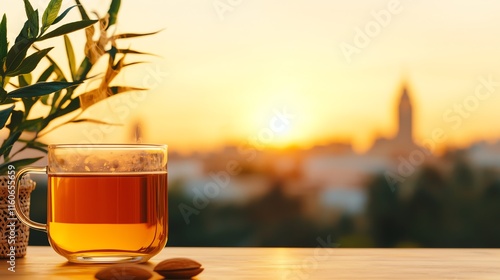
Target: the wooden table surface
pixel 288 263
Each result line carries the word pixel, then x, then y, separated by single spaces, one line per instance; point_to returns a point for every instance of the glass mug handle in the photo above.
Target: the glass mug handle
pixel 19 212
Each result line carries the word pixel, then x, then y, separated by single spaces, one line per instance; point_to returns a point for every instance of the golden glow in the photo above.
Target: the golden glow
pixel 219 80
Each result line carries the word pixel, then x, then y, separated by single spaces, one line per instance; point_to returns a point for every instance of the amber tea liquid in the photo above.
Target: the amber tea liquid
pixel 122 214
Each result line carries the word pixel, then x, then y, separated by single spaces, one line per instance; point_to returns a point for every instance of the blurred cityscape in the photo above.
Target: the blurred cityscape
pixel 397 194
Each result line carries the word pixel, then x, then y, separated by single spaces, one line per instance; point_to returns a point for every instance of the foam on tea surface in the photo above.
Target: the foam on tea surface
pixel 103 159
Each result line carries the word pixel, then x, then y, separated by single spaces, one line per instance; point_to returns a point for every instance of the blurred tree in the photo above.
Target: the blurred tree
pixel 384 212
pixel 425 215
pixel 455 205
pixel 489 227
pixel 278 220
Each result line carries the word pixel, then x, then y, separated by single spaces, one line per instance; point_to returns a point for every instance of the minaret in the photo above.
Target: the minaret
pixel 405 125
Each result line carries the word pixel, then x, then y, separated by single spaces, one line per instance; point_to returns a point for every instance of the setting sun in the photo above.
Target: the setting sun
pixel 220 81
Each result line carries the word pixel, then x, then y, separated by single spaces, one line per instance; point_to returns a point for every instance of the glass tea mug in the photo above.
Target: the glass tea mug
pixel 107 203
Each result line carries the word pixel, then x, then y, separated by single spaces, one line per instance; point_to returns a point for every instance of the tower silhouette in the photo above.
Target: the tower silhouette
pixel 405 117
pixel 402 143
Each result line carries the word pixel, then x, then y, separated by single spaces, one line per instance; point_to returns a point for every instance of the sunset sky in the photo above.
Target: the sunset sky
pixel 225 67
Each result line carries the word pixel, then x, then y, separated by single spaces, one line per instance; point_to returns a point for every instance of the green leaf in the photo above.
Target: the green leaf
pixel 18 163
pixel 32 22
pixel 55 100
pixel 28 9
pixel 31 125
pixel 113 12
pixel 118 89
pixel 128 51
pixel 32 19
pixel 30 28
pixel 9 142
pixel 57 69
pixel 15 119
pixel 83 13
pixel 24 33
pixel 94 121
pixel 84 69
pixel 50 14
pixel 45 99
pixel 4 115
pixel 67 28
pixel 133 63
pixel 46 74
pixel 9 101
pixel 17 53
pixel 73 105
pixel 3 95
pixel 71 56
pixel 29 63
pixel 35 25
pixel 28 104
pixel 24 80
pixel 3 39
pixel 61 16
pixel 132 35
pixel 40 89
